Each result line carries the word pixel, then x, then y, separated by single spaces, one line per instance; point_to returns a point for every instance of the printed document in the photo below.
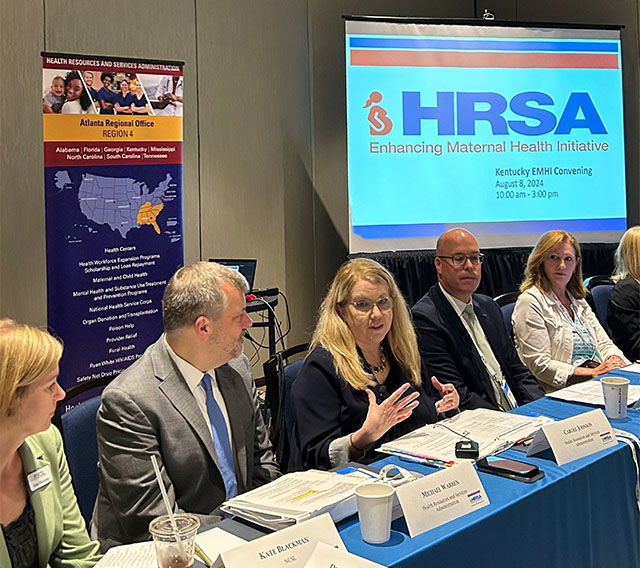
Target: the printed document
pixel 295 497
pixel 590 392
pixel 494 432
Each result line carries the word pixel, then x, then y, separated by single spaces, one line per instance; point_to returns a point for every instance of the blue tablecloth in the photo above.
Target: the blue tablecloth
pixel 581 515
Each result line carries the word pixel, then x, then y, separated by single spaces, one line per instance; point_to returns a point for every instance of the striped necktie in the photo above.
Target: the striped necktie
pixel 220 440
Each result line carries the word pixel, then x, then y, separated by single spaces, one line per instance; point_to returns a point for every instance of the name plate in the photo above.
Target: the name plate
pixel 325 556
pixel 575 437
pixel 289 547
pixel 441 497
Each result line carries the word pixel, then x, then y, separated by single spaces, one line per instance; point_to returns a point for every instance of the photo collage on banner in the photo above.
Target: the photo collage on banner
pixel 113 198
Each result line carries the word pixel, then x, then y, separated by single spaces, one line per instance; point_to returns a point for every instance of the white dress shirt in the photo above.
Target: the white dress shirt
pixel 193 378
pixel 498 382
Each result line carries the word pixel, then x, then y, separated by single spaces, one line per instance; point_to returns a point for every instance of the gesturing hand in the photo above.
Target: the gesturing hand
pixel 450 397
pixel 384 416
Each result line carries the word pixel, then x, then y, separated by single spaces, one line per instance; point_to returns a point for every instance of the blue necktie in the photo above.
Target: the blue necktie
pixel 220 440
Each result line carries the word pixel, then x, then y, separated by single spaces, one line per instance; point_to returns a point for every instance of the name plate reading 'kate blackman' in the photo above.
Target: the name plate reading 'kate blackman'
pixel 325 556
pixel 290 547
pixel 441 497
pixel 575 437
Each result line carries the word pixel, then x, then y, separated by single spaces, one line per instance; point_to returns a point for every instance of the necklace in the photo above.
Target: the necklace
pixel 383 363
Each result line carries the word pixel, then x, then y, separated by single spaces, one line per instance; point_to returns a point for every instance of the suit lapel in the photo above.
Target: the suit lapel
pixel 469 347
pixel 235 400
pixel 175 388
pixel 454 323
pixel 42 500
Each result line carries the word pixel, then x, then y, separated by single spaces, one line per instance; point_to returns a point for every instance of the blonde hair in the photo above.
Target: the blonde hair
pixel 627 255
pixel 534 274
pixel 333 333
pixel 26 353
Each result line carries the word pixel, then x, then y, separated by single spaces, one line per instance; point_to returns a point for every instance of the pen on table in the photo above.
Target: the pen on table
pixel 202 555
pixel 417 455
pixel 431 463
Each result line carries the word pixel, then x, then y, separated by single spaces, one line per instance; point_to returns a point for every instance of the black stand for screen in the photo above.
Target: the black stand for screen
pixel 268 303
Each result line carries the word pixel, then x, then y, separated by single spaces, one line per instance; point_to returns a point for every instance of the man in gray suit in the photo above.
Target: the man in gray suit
pixel 183 402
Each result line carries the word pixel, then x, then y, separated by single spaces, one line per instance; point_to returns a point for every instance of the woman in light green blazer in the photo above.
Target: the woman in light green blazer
pixel 40 523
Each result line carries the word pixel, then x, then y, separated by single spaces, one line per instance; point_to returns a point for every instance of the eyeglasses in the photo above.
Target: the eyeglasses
pixel 366 306
pixel 461 259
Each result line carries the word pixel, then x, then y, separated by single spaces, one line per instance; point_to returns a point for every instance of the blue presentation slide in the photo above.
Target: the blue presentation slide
pixel 505 131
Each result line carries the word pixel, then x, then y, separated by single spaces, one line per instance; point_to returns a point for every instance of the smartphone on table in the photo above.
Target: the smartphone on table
pixel 511 469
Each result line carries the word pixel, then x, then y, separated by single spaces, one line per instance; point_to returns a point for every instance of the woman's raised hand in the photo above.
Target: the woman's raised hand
pixel 384 416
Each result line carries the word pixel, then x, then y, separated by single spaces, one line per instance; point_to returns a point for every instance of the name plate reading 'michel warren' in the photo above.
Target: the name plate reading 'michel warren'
pixel 290 547
pixel 575 437
pixel 441 497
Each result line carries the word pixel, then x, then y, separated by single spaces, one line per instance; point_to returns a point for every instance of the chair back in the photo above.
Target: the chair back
pixel 279 374
pixel 597 280
pixel 599 287
pixel 78 428
pixel 601 295
pixel 507 303
pixel 81 447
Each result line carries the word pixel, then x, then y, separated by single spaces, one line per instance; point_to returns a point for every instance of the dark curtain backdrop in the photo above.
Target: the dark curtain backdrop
pixel 502 270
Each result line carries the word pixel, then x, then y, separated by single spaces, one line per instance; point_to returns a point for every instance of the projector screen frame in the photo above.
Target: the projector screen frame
pixel 361 245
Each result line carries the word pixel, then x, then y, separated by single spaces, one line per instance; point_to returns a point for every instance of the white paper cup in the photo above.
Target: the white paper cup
pixel 375 503
pixel 615 390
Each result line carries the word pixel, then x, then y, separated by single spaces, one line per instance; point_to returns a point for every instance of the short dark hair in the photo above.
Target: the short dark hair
pixel 104 75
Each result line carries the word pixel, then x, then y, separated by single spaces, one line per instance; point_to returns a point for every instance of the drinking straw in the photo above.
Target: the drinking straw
pixel 165 498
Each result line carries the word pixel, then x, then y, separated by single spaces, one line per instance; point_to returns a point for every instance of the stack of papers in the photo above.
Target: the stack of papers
pixel 494 432
pixel 140 555
pixel 212 542
pixel 296 497
pixel 590 392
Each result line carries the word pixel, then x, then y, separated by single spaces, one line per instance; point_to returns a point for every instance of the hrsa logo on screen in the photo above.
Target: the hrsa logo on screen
pixel 458 113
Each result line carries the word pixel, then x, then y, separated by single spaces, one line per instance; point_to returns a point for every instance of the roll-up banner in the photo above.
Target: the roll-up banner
pixel 113 198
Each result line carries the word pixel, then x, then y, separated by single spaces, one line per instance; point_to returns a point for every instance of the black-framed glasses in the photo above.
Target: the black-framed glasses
pixel 461 259
pixel 365 306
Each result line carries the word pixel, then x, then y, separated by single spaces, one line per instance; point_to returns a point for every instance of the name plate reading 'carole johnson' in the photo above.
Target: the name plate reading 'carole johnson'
pixel 441 497
pixel 575 437
pixel 290 547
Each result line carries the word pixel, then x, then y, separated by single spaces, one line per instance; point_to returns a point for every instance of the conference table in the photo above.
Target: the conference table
pixel 580 515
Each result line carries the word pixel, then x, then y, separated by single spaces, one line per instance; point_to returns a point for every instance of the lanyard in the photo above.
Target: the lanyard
pixel 633 442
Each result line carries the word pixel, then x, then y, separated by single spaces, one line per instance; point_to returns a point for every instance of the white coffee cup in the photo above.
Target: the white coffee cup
pixel 615 390
pixel 375 504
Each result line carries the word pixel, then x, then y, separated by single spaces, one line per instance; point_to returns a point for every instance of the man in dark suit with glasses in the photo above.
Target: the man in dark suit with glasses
pixel 462 336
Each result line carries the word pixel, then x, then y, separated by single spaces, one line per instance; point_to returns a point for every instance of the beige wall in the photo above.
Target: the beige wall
pixel 264 130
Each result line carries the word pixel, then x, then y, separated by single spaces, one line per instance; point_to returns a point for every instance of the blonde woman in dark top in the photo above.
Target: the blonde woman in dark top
pixel 623 316
pixel 363 383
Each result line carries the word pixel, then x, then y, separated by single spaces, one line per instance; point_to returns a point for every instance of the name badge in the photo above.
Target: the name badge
pixel 290 547
pixel 441 497
pixel 39 478
pixel 575 437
